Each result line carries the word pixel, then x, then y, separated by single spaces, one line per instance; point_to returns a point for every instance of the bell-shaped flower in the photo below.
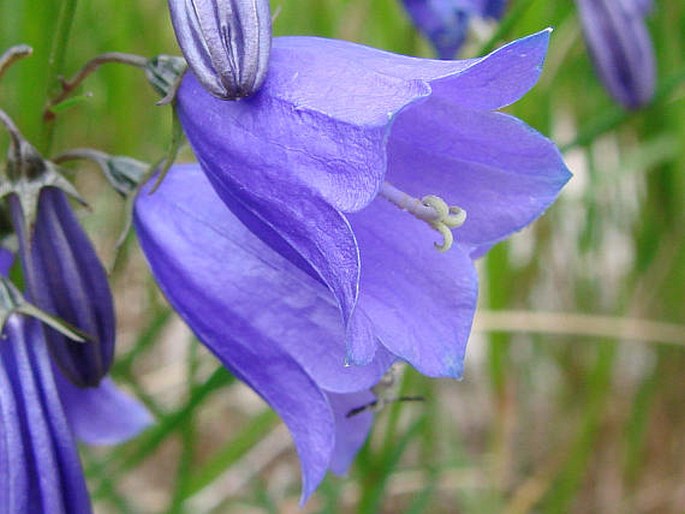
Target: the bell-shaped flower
pixel 325 271
pixel 445 23
pixel 64 277
pixel 62 271
pixel 225 42
pixel 621 48
pixel 40 411
pixel 347 161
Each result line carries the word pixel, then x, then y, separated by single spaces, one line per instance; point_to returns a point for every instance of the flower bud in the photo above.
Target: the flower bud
pixel 62 271
pixel 65 279
pixel 619 43
pixel 226 43
pixel 68 281
pixel 445 23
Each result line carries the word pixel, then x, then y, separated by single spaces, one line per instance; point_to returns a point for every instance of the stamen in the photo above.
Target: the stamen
pixel 408 203
pixel 456 218
pixel 432 209
pixel 447 237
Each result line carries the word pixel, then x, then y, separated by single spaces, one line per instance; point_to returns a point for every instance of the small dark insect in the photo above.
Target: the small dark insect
pixel 384 390
pixel 379 403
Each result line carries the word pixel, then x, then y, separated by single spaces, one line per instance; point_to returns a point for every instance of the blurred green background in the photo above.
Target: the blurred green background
pixel 573 398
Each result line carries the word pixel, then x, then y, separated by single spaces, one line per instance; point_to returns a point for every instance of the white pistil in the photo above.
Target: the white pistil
pixel 431 209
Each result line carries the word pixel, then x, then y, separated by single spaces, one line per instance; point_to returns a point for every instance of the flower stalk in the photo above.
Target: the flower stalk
pixel 12 55
pixel 67 86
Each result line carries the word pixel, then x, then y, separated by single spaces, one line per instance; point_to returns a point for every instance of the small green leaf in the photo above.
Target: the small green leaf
pixel 70 103
pixel 13 302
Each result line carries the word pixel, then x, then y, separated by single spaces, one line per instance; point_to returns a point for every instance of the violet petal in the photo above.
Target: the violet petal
pixel 421 301
pixel 53 481
pixel 101 415
pixel 498 79
pixel 502 172
pixel 311 234
pixel 13 464
pixel 237 294
pixel 351 432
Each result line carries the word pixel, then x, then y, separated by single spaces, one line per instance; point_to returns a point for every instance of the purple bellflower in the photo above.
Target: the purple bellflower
pixel 326 272
pixel 318 161
pixel 621 48
pixel 225 42
pixel 445 22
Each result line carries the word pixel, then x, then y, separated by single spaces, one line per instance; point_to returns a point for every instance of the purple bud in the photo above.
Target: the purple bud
pixel 621 48
pixel 445 22
pixel 494 8
pixel 62 272
pixel 226 43
pixel 65 278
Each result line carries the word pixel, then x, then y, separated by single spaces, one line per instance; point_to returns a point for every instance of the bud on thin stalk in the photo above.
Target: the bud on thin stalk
pixel 63 274
pixel 226 43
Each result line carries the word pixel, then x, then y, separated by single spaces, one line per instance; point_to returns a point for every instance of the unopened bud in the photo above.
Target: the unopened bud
pixel 226 43
pixel 621 48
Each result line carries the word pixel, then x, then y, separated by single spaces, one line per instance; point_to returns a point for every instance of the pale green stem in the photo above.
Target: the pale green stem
pixel 58 53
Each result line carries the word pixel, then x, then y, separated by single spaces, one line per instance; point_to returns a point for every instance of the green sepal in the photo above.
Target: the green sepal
pixel 164 164
pixel 124 173
pixel 13 302
pixel 162 167
pixel 26 174
pixel 164 72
